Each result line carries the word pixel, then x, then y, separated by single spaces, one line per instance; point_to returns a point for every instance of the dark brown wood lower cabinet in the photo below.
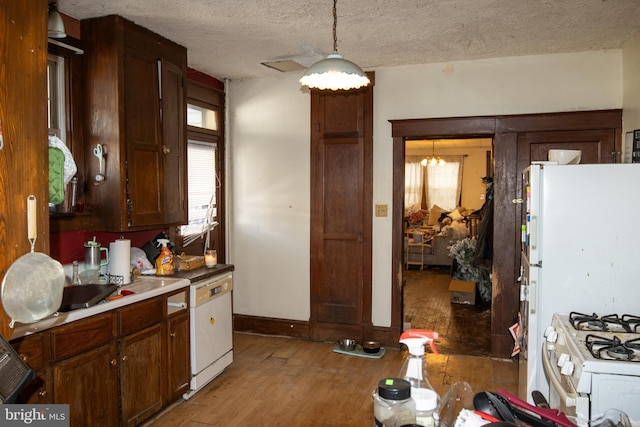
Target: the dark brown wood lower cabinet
pixel 141 395
pixel 89 384
pixel 178 365
pixel 113 369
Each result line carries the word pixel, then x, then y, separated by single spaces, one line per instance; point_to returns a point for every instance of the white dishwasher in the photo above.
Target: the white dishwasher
pixel 211 324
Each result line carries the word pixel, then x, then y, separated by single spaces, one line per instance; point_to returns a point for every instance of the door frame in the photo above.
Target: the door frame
pixel 504 132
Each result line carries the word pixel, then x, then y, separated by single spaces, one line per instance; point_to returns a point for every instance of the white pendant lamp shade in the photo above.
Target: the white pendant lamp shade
pixel 55 25
pixel 334 72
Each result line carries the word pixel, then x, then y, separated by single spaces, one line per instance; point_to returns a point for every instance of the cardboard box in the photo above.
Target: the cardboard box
pixel 462 292
pixel 190 262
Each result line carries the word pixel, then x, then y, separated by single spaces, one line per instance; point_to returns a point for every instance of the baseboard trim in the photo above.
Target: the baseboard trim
pixel 295 328
pixel 271 326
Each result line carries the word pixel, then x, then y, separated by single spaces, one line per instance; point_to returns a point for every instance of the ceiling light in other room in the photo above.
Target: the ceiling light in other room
pixel 334 72
pixel 55 25
pixel 433 160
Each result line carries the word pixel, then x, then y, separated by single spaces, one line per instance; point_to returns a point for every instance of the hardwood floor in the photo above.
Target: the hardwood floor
pixel 281 381
pixel 463 329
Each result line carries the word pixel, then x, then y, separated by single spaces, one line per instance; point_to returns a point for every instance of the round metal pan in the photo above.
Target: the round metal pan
pixel 33 286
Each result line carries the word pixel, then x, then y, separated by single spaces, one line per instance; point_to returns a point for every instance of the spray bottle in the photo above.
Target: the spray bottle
pixel 414 370
pixel 164 262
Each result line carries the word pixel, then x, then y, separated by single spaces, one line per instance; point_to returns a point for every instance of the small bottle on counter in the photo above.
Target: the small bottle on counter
pixel 392 403
pixel 75 278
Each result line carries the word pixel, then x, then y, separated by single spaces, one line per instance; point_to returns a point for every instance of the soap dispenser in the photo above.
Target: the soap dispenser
pixel 164 262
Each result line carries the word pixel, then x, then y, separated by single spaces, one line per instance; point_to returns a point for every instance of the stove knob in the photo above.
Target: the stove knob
pixel 567 368
pixel 552 335
pixel 563 359
pixel 549 330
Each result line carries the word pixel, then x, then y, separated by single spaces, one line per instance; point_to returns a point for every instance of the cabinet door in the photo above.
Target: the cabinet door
pixel 178 352
pixel 141 378
pixel 89 384
pixel 31 351
pixel 174 143
pixel 143 139
pixel 37 391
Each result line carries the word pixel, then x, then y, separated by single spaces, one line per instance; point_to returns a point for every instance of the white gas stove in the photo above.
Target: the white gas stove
pixel 593 364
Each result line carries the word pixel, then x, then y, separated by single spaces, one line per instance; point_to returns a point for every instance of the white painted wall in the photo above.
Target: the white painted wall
pixel 268 140
pixel 631 86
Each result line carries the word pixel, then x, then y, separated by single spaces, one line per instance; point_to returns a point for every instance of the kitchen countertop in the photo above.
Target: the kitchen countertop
pixel 145 287
pixel 202 273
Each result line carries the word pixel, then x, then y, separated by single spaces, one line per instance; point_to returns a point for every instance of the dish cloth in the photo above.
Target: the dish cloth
pixel 360 352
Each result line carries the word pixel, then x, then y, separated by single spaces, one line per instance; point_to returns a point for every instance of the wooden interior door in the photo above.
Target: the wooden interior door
pixel 341 214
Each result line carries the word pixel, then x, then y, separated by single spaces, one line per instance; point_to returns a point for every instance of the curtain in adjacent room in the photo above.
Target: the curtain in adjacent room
pixel 413 183
pixel 444 183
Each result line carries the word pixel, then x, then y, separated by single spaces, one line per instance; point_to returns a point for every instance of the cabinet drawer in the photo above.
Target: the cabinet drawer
pixel 138 316
pixel 177 302
pixel 31 350
pixel 82 335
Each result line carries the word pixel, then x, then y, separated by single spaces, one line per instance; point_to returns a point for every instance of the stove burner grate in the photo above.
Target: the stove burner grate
pixel 613 348
pixel 612 322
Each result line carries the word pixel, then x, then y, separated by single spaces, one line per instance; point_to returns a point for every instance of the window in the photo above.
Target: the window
pixel 444 183
pixel 56 100
pixel 202 117
pixel 205 172
pixel 437 185
pixel 203 181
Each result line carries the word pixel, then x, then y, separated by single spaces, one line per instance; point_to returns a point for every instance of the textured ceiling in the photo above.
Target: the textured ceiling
pixel 230 38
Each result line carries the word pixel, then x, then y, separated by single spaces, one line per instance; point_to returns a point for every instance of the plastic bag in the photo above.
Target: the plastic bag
pixel 458 397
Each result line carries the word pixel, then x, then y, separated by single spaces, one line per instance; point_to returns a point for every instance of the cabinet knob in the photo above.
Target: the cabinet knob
pixel 165 149
pixel 23 357
pixel 113 362
pixel 42 394
pixel 172 334
pixel 124 358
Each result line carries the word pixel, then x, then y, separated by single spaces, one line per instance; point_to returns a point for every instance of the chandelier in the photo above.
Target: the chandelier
pixel 334 72
pixel 433 160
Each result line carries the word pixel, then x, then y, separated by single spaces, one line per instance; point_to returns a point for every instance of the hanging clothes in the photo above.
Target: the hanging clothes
pixel 484 246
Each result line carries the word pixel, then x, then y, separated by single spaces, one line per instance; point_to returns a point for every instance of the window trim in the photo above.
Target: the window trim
pixel 208 97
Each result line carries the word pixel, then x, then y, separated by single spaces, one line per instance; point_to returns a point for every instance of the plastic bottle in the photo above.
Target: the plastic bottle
pixel 392 403
pixel 414 370
pixel 164 262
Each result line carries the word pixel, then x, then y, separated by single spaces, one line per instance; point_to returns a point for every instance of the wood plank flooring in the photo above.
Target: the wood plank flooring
pixel 463 329
pixel 281 381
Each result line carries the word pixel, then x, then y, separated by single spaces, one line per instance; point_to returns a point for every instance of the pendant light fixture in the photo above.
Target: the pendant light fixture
pixel 433 160
pixel 334 72
pixel 55 25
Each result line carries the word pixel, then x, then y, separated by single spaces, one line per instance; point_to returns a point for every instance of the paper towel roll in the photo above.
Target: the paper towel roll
pixel 120 262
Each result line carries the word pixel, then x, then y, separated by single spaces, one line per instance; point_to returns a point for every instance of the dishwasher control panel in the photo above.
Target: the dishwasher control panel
pixel 207 289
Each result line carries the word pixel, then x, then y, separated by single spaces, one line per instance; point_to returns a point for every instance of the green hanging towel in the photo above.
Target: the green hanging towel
pixel 56 176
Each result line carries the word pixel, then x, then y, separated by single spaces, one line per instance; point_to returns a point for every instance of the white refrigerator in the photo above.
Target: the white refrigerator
pixel 580 251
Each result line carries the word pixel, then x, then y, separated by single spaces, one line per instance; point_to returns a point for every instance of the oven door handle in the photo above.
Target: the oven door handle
pixel 568 398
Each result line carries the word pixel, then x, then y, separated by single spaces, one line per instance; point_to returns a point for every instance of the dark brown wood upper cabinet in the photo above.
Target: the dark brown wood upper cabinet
pixel 135 107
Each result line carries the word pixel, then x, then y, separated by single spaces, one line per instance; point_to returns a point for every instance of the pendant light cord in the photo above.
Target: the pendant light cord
pixel 335 26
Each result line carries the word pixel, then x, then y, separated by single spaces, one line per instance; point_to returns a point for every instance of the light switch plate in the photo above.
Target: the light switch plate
pixel 381 210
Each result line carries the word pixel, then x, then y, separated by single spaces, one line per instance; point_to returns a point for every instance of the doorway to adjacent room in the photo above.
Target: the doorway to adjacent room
pixel 447 173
